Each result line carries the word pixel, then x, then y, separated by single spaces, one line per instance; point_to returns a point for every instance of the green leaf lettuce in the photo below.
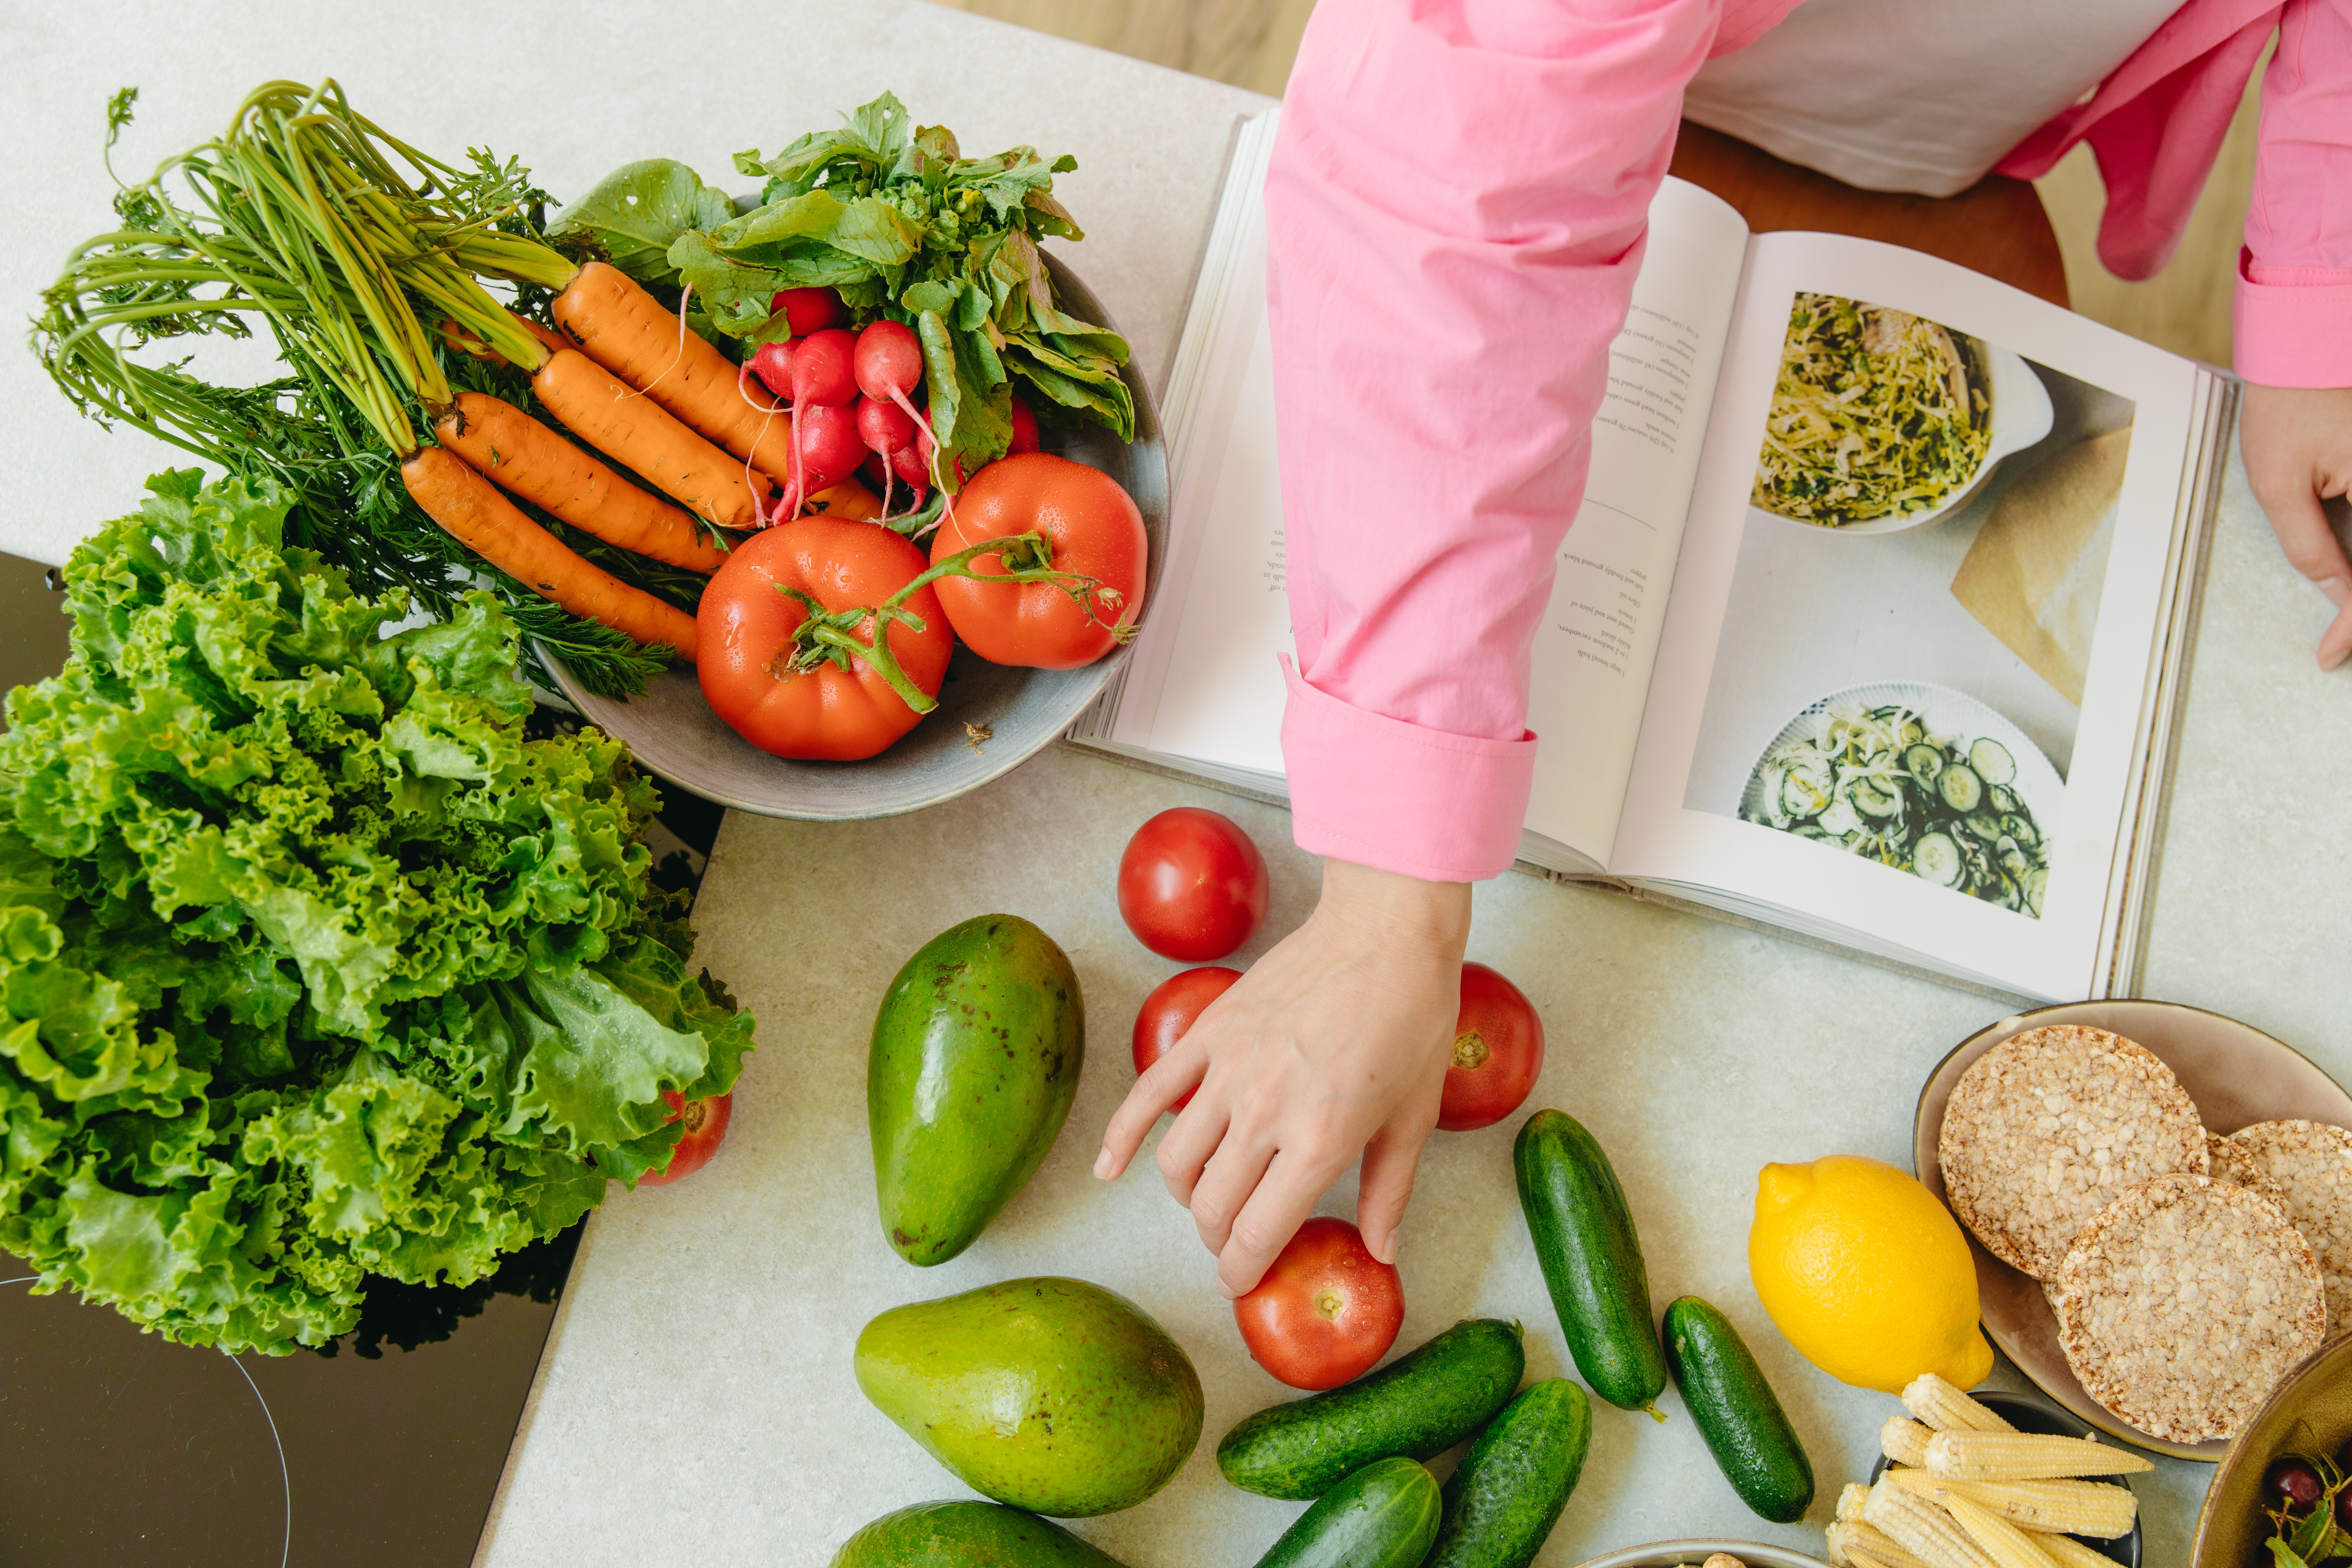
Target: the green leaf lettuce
pixel 311 966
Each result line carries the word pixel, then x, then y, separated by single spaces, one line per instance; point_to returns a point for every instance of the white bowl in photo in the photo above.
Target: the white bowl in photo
pixel 2020 415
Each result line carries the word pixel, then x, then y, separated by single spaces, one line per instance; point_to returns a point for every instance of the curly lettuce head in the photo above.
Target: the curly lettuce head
pixel 311 965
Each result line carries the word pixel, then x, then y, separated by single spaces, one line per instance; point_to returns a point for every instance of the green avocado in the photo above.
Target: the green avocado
pixel 1051 1394
pixel 973 1066
pixel 966 1534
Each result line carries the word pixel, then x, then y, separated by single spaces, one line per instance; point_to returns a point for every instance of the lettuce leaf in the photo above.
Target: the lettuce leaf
pixel 311 967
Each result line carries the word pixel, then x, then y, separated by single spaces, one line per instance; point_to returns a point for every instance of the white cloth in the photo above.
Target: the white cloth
pixel 1924 96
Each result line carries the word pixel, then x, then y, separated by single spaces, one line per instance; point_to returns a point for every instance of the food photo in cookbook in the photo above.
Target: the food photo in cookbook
pixel 1902 665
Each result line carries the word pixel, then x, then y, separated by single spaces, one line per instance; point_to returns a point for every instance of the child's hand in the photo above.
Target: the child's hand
pixel 1334 1043
pixel 2297 443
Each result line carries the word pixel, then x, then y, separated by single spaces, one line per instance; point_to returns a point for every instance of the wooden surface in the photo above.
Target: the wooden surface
pixel 1997 226
pixel 2186 308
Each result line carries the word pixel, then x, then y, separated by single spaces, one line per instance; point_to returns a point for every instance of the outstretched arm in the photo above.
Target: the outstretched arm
pixel 1455 213
pixel 2294 303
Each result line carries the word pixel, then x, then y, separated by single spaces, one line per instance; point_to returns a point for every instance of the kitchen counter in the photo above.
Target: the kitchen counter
pixel 697 1402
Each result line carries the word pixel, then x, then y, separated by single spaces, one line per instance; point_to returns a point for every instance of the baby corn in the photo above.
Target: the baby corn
pixel 1923 1527
pixel 1948 1408
pixel 2021 1456
pixel 2058 1506
pixel 1904 1440
pixel 2068 1552
pixel 2001 1540
pixel 1852 1500
pixel 1855 1543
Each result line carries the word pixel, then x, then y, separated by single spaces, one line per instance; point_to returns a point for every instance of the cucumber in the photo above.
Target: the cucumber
pixel 1936 858
pixel 1961 788
pixel 1507 1494
pixel 1591 1259
pixel 1415 1407
pixel 1737 1413
pixel 1383 1516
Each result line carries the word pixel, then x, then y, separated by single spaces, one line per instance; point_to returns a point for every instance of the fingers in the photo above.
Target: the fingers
pixel 1187 1147
pixel 2292 498
pixel 1386 1185
pixel 1285 1195
pixel 1164 1083
pixel 1226 1186
pixel 2335 643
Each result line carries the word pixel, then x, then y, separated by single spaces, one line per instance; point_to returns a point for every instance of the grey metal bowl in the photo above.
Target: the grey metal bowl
pixel 1672 1554
pixel 2030 1413
pixel 674 734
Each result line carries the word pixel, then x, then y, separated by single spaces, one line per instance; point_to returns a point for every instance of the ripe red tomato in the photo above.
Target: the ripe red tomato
pixel 746 622
pixel 1498 1051
pixel 1326 1312
pixel 1092 528
pixel 1174 1005
pixel 706 1128
pixel 1192 885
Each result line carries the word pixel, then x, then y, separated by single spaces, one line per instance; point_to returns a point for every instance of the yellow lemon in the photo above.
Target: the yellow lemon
pixel 1866 1273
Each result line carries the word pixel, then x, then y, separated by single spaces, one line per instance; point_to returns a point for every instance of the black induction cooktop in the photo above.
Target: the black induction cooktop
pixel 119 1449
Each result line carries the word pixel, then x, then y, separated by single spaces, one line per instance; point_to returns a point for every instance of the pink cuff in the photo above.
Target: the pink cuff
pixel 1397 796
pixel 2294 325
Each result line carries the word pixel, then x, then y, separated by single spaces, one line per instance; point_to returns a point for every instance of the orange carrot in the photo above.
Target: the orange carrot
pixel 625 330
pixel 603 411
pixel 848 499
pixel 518 453
pixel 554 341
pixel 471 508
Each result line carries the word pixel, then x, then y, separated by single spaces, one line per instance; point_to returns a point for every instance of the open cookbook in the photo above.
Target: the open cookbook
pixel 1872 626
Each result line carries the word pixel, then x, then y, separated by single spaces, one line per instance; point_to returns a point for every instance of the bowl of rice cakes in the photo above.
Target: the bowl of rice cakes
pixel 2158 1201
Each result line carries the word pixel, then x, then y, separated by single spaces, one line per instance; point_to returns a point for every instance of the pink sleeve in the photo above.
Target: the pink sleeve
pixel 1455 213
pixel 2295 277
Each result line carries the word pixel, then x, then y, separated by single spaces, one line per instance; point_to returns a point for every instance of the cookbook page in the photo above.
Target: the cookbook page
pixel 1923 577
pixel 1213 693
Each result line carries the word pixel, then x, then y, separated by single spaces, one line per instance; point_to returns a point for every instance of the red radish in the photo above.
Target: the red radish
pixel 912 462
pixel 821 369
pixel 889 361
pixel 828 450
pixel 808 310
pixel 875 471
pixel 890 367
pixel 821 378
pixel 772 363
pixel 1025 429
pixel 883 426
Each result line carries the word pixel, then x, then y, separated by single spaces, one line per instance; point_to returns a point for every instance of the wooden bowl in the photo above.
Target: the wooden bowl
pixel 2236 1074
pixel 2310 1413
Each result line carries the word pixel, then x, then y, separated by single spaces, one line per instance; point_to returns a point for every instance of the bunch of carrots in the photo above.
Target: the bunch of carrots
pixel 304 220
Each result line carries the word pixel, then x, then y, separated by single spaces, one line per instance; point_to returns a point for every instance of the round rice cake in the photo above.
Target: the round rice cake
pixel 2184 1303
pixel 2051 1126
pixel 2227 1160
pixel 2312 1164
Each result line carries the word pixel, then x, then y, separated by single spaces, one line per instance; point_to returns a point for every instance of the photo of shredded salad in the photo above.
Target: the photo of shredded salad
pixel 1876 414
pixel 1880 781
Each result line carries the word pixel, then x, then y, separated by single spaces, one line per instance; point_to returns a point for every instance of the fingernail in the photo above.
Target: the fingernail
pixel 1227 1291
pixel 2334 658
pixel 2336 590
pixel 1103 1164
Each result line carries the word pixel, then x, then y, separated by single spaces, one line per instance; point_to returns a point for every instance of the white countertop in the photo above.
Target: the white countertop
pixel 697 1402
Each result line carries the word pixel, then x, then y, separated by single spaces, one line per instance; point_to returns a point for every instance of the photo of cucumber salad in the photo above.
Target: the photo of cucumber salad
pixel 1884 780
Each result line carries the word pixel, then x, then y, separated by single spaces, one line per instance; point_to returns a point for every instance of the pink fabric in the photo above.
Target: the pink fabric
pixel 1455 215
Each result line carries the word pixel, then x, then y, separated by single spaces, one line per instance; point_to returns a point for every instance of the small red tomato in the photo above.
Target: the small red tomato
pixel 1498 1051
pixel 1326 1312
pixel 1192 885
pixel 1174 1005
pixel 706 1128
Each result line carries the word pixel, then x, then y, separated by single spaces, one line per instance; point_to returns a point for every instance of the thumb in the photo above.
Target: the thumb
pixel 1386 1185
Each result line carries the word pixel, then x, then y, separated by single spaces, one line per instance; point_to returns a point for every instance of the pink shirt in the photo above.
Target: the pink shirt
pixel 1455 213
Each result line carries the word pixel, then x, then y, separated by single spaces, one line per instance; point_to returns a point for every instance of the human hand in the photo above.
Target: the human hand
pixel 1335 1043
pixel 2297 443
